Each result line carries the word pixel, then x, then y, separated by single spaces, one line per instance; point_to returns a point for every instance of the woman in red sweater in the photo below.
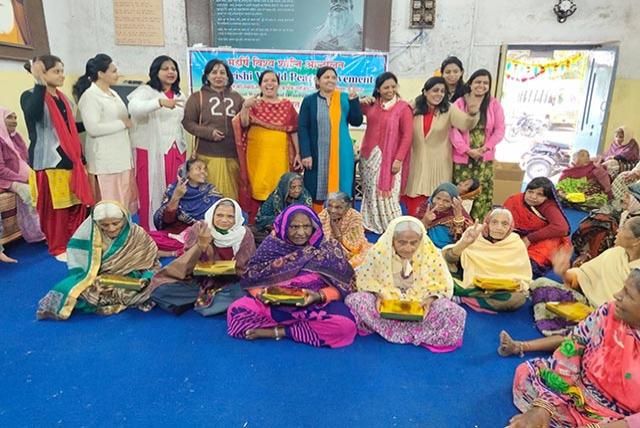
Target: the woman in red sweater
pixel 384 155
pixel 540 222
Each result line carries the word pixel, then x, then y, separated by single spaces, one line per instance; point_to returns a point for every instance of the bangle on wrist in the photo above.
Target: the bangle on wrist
pixel 538 402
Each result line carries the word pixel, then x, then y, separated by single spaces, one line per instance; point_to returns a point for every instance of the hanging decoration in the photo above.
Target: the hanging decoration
pixel 520 70
pixel 564 9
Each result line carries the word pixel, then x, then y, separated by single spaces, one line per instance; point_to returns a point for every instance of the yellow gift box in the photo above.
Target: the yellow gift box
pixel 120 281
pixel 220 267
pixel 283 295
pixel 402 310
pixel 576 198
pixel 496 284
pixel 571 311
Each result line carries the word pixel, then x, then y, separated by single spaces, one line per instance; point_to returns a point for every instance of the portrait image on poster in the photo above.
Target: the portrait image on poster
pixel 327 25
pixel 13 23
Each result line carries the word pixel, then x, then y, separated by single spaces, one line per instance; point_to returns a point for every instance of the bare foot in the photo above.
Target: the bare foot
pixel 508 346
pixel 263 333
pixel 6 259
pixel 536 417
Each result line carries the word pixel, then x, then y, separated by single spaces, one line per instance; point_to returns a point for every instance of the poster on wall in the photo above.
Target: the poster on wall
pixel 328 25
pixel 296 69
pixel 23 33
pixel 139 22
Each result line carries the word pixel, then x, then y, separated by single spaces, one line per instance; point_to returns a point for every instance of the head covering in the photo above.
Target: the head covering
pixel 628 150
pixel 431 276
pixel 634 201
pixel 281 224
pixel 194 203
pixel 234 236
pixel 278 261
pixel 444 217
pixel 281 194
pixel 4 132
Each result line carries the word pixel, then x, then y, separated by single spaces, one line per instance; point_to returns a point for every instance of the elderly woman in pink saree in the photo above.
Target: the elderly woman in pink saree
pixel 298 258
pixel 593 377
pixel 14 175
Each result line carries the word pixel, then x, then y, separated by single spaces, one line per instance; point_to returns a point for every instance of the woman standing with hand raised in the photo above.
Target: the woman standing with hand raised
pixel 106 120
pixel 157 109
pixel 55 153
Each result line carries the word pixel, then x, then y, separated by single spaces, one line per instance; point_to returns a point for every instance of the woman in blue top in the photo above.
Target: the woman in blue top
pixel 323 131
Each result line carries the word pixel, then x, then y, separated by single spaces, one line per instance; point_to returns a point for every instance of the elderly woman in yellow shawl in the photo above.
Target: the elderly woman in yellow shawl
pixel 490 253
pixel 110 260
pixel 344 224
pixel 404 265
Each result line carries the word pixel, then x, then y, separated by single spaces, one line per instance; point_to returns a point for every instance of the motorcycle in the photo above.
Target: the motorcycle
pixel 546 159
pixel 527 126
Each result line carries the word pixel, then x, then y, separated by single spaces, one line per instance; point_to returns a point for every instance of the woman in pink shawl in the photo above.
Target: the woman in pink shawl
pixel 14 175
pixel 623 153
pixel 593 377
pixel 384 155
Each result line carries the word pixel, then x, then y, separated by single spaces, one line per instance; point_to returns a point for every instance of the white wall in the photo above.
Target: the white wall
pixel 79 29
pixel 473 30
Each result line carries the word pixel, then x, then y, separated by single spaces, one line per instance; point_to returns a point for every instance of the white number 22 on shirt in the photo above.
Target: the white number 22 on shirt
pixel 228 110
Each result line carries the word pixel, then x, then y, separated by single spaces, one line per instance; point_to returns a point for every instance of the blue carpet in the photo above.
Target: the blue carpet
pixel 136 369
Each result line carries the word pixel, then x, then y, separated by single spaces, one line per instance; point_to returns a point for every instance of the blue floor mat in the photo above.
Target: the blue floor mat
pixel 137 369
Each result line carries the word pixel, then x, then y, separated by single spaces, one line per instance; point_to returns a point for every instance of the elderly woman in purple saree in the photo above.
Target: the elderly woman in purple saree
pixel 297 257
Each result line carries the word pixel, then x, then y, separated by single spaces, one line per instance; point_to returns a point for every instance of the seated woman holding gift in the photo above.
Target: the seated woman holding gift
pixel 443 216
pixel 405 266
pixel 195 280
pixel 594 282
pixel 297 280
pixel 593 377
pixel 184 203
pixel 487 257
pixel 585 185
pixel 344 224
pixel 111 260
pixel 290 191
pixel 540 222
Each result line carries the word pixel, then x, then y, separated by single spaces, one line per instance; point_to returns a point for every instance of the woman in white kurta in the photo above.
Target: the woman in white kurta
pixel 157 136
pixel 106 121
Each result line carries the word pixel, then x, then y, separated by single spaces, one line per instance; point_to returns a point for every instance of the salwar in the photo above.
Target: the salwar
pixel 483 172
pixel 330 325
pixel 377 212
pixel 545 290
pixel 120 187
pixel 440 331
pixel 267 160
pixel 224 174
pixel 58 225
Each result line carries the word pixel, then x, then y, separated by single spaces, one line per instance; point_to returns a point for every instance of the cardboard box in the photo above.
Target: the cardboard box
pixel 507 180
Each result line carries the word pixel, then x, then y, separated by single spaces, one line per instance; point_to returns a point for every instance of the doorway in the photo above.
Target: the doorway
pixel 555 100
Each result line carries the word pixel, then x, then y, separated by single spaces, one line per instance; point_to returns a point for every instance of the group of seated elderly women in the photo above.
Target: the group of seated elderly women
pixel 315 279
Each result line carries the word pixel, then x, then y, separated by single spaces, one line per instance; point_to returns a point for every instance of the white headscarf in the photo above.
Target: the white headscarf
pixel 234 236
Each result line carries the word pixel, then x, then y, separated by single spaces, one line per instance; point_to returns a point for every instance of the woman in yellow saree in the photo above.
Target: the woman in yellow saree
pixel 110 261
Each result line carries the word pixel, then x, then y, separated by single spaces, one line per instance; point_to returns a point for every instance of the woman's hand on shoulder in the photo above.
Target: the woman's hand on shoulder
pixel 250 102
pixel 367 100
pixel 352 93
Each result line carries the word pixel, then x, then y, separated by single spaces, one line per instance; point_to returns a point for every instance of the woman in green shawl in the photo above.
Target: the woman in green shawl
pixel 290 191
pixel 110 261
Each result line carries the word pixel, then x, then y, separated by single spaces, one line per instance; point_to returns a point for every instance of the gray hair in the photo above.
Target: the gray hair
pixel 635 277
pixel 106 210
pixel 502 211
pixel 226 203
pixel 339 196
pixel 406 225
pixel 634 225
